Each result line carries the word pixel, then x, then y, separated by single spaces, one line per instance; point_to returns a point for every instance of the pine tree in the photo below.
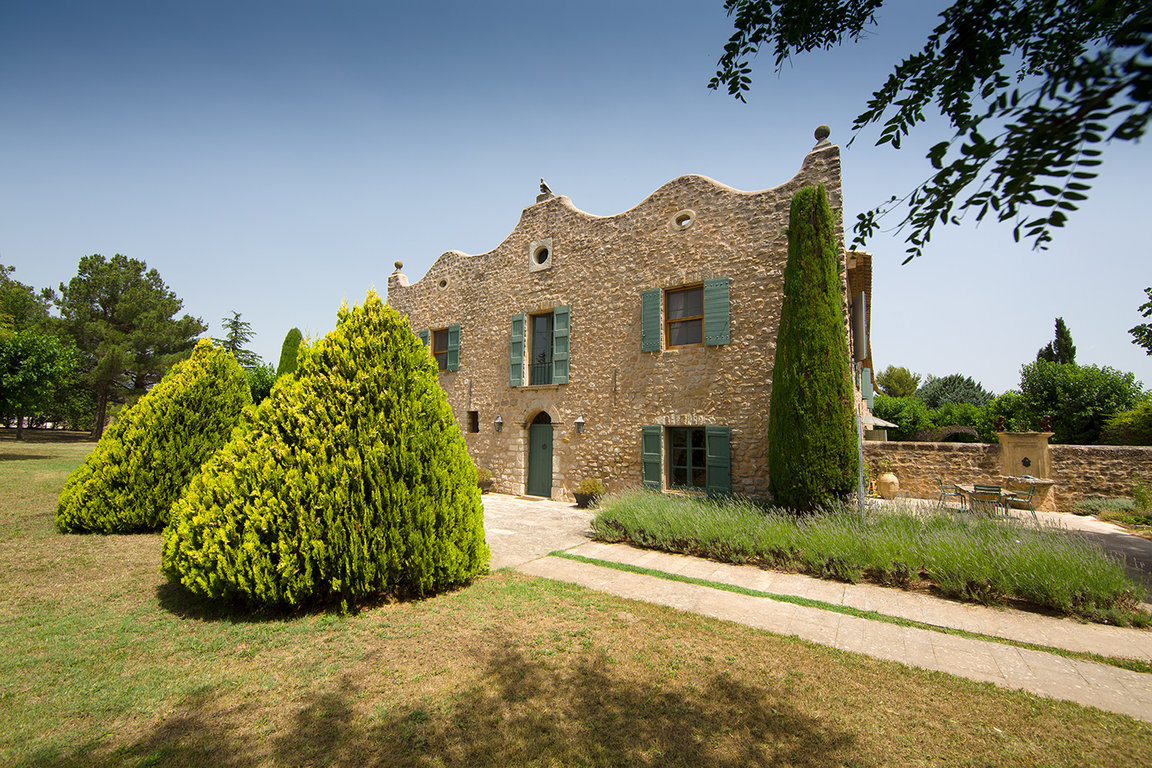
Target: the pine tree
pixel 142 463
pixel 350 481
pixel 237 334
pixel 288 352
pixel 812 440
pixel 1060 350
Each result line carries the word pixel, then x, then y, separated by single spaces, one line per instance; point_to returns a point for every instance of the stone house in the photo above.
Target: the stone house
pixel 634 348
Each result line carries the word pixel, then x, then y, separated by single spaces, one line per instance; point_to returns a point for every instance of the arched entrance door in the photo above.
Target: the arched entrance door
pixel 540 456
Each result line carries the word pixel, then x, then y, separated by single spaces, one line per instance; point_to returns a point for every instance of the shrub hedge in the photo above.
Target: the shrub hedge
pixel 351 480
pixel 142 463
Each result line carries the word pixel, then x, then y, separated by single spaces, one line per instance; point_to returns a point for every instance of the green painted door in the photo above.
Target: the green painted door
pixel 540 460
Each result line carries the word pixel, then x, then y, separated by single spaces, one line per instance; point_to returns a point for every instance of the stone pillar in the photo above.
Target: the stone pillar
pixel 1025 453
pixel 1025 462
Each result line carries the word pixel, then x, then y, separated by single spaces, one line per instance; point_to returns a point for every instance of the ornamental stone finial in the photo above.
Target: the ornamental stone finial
pixel 399 264
pixel 822 132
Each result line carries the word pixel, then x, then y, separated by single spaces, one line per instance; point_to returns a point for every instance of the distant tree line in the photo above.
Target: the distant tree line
pixel 1079 404
pixel 117 329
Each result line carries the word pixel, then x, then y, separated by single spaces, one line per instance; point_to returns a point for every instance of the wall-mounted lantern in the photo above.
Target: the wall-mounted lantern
pixel 499 423
pixel 579 424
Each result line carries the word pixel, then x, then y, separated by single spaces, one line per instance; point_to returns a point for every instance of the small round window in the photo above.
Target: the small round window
pixel 683 219
pixel 541 255
pixel 443 283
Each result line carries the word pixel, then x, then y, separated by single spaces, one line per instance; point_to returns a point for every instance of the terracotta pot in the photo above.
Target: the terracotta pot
pixel 887 485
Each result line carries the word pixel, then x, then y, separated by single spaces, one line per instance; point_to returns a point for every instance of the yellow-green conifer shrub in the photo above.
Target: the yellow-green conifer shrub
pixel 142 463
pixel 350 481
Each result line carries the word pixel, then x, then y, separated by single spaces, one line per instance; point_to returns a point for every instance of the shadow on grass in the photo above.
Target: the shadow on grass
pixel 519 711
pixel 22 456
pixel 178 601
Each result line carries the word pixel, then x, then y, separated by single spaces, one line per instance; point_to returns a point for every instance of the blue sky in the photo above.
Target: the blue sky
pixel 275 158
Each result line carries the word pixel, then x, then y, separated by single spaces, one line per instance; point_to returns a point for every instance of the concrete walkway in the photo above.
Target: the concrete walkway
pixel 521 532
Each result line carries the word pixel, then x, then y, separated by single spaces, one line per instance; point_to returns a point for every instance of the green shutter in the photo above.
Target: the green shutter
pixel 516 352
pixel 561 331
pixel 650 321
pixel 651 458
pixel 717 441
pixel 716 311
pixel 425 336
pixel 453 348
pixel 866 385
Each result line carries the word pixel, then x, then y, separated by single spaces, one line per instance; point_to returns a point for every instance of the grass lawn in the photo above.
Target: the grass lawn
pixel 102 663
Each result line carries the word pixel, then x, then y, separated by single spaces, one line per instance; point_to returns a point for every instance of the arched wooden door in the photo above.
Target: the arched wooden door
pixel 540 456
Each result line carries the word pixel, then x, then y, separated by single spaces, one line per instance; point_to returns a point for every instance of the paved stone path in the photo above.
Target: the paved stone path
pixel 521 533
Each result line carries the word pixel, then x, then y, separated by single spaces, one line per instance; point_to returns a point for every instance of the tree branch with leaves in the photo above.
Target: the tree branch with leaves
pixel 1030 88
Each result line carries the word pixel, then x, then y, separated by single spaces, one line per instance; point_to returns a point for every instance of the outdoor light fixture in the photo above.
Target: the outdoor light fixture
pixel 499 423
pixel 579 424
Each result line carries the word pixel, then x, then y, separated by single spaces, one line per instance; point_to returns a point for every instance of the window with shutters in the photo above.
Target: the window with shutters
pixel 538 348
pixel 684 316
pixel 688 458
pixel 699 458
pixel 440 348
pixel 540 354
pixel 688 316
pixel 444 344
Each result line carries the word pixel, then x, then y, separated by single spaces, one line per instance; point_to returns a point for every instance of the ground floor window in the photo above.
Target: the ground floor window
pixel 688 459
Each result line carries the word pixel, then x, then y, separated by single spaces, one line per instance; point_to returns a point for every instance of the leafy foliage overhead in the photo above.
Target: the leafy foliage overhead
pixel 1142 334
pixel 142 463
pixel 350 481
pixel 812 438
pixel 1030 88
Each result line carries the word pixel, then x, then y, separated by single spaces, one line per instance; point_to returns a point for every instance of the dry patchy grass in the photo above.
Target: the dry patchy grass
pixel 102 662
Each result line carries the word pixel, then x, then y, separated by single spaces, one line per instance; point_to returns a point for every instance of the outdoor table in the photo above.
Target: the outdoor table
pixel 969 490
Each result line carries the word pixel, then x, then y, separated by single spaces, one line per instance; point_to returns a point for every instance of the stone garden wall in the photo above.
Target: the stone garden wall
pixel 1079 471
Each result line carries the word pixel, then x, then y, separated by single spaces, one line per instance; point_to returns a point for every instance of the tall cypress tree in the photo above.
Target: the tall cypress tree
pixel 1061 349
pixel 288 351
pixel 349 481
pixel 812 441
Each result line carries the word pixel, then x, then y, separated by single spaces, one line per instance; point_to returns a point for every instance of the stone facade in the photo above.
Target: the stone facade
pixel 692 231
pixel 1078 471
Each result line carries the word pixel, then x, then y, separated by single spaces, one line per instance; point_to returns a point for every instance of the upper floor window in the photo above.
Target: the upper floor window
pixel 444 344
pixel 538 348
pixel 684 316
pixel 540 369
pixel 440 348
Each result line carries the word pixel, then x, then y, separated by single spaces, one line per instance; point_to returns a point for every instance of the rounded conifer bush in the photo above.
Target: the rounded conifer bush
pixel 812 442
pixel 350 481
pixel 141 464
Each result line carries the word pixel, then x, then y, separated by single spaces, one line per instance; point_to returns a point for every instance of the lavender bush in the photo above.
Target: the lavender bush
pixel 965 557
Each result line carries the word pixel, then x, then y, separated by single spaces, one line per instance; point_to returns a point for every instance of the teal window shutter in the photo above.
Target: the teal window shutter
pixel 561 332
pixel 516 352
pixel 716 311
pixel 718 441
pixel 650 321
pixel 453 348
pixel 651 457
pixel 866 385
pixel 425 336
